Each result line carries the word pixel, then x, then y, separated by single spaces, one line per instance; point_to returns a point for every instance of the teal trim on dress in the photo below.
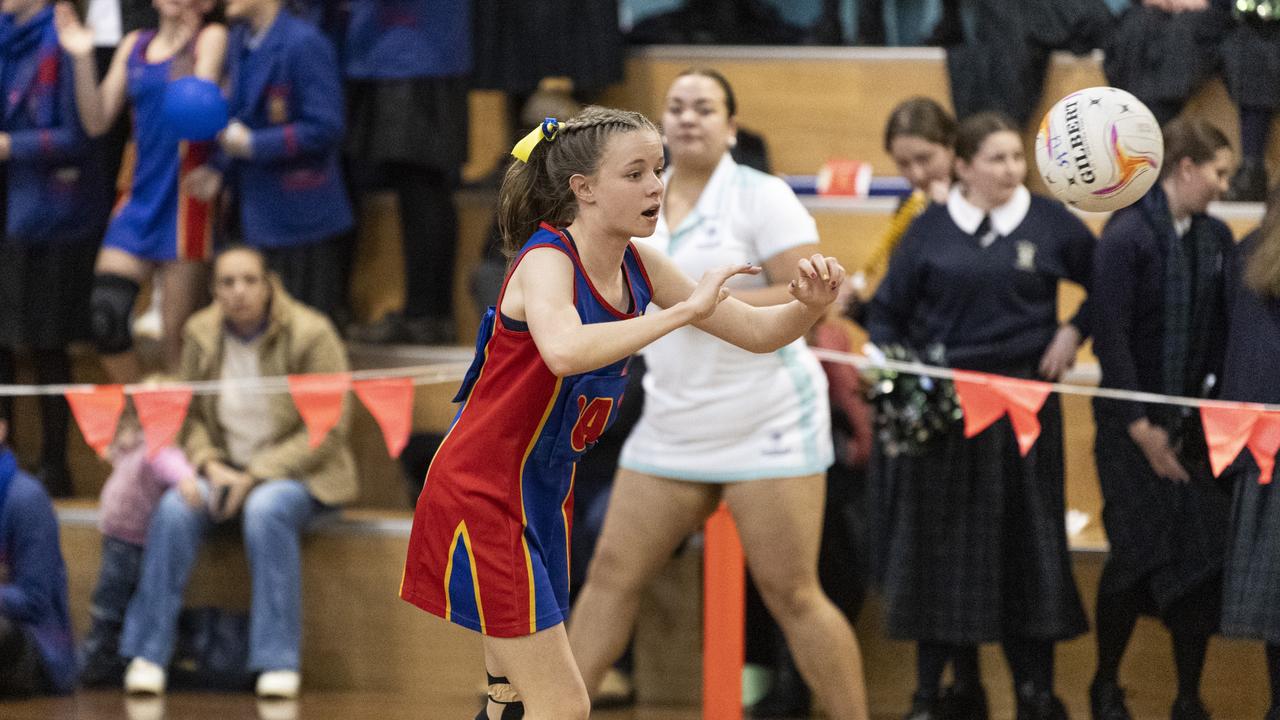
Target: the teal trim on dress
pixel 723 476
pixel 808 402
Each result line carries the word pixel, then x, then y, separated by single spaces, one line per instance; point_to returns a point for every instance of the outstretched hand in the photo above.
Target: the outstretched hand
pixel 711 291
pixel 74 37
pixel 818 280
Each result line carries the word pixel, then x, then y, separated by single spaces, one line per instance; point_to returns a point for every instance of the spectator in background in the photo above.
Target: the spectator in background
pixel 35 625
pixel 52 217
pixel 111 21
pixel 983 557
pixel 129 497
pixel 1158 273
pixel 252 450
pixel 1164 50
pixel 1251 584
pixel 407 63
pixel 519 44
pixel 157 225
pixel 998 51
pixel 279 154
pixel 1251 69
pixel 920 136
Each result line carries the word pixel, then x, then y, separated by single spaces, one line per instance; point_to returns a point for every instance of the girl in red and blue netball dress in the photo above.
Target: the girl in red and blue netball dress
pixel 155 223
pixel 489 546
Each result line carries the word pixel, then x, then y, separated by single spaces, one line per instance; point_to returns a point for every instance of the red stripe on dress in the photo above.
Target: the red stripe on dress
pixel 195 221
pixel 290 140
pixel 635 253
pixel 577 261
pixel 47 71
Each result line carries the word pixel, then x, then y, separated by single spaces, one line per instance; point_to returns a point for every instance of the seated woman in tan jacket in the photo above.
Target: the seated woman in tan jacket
pixel 251 448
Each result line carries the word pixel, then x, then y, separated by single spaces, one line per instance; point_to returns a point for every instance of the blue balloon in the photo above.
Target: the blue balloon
pixel 193 108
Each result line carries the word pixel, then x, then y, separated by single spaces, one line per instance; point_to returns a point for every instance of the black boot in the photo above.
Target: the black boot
pixel 963 702
pixel 1188 708
pixel 100 661
pixel 1039 704
pixel 788 696
pixel 1106 702
pixel 924 707
pixel 1249 183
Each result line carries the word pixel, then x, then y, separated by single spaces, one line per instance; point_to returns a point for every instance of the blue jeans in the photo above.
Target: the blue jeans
pixel 274 515
pixel 117 578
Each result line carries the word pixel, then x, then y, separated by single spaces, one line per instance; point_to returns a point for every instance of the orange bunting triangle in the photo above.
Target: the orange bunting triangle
pixel 390 402
pixel 161 413
pixel 97 412
pixel 1226 432
pixel 986 398
pixel 1230 429
pixel 319 402
pixel 1024 398
pixel 981 404
pixel 1264 443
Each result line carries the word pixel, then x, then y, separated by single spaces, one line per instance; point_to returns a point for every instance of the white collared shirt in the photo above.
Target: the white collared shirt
pixel 1004 219
pixel 105 20
pixel 1182 226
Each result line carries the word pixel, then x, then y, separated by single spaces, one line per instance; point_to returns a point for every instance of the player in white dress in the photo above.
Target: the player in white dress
pixel 722 424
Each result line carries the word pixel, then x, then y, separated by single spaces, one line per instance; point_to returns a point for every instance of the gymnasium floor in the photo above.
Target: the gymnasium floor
pixel 111 705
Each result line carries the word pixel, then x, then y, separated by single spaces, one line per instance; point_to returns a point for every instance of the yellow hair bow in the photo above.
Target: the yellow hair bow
pixel 547 130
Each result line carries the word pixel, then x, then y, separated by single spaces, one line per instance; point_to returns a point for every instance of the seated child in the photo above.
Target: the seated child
pixel 128 499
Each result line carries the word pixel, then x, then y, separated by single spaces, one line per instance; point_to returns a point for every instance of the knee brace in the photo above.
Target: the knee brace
pixel 111 308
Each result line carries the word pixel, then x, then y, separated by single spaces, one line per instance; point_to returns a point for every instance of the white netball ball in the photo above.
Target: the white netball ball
pixel 1099 149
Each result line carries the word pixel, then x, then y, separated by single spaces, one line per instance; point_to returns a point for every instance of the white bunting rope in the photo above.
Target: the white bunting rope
pixel 863 362
pixel 436 374
pixel 441 373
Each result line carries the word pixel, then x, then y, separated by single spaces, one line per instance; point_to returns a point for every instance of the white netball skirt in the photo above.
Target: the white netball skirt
pixel 716 413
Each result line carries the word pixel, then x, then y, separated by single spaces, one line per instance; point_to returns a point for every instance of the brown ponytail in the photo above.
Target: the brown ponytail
pixel 538 190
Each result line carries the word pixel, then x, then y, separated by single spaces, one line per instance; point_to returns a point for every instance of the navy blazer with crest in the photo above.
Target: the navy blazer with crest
pixel 288 91
pixel 55 193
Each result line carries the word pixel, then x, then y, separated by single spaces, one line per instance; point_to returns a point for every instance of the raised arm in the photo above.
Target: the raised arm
pixel 816 282
pixel 540 292
pixel 99 105
pixel 211 52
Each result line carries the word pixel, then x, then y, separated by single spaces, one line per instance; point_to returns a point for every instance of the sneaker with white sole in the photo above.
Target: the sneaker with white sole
pixel 277 709
pixel 279 684
pixel 144 677
pixel 144 707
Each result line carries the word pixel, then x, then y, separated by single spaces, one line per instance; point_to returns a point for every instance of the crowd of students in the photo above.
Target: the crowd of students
pixel 971 543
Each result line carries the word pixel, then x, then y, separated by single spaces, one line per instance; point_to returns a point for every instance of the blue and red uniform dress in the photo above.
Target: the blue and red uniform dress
pixel 156 220
pixel 489 548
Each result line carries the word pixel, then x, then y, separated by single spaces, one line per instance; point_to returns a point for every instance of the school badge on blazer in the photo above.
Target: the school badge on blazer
pixel 278 105
pixel 1026 259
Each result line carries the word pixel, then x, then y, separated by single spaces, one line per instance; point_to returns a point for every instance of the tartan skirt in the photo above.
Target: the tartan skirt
pixel 972 539
pixel 1251 581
